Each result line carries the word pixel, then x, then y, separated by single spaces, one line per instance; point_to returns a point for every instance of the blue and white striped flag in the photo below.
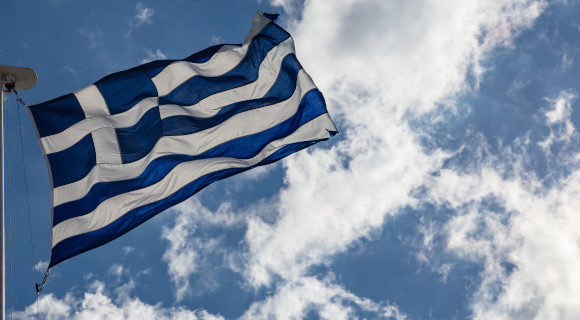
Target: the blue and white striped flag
pixel 142 140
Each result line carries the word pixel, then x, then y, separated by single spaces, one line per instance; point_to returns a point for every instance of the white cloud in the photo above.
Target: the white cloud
pixel 557 117
pixel 187 254
pixel 194 210
pixel 153 55
pixel 256 173
pixel 181 256
pixel 290 301
pixel 215 40
pixel 128 249
pixel 567 62
pixel 411 54
pixel 529 249
pixel 143 14
pixel 41 266
pixel 116 270
pixel 523 229
pixel 427 235
pixel 49 307
pixel 560 108
pixel 398 61
pixel 96 304
pixel 329 301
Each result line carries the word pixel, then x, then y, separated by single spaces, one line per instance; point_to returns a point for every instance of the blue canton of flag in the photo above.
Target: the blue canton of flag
pixel 142 140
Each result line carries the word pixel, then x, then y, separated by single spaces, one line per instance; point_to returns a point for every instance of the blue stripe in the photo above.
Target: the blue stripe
pixel 122 90
pixel 74 163
pixel 271 16
pixel 78 244
pixel 137 141
pixel 199 87
pixel 56 115
pixel 311 106
pixel 282 89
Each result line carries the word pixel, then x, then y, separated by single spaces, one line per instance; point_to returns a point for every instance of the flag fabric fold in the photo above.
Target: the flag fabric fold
pixel 139 141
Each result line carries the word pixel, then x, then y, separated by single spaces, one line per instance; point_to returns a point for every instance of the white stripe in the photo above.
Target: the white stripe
pixel 242 124
pixel 106 146
pixel 208 107
pixel 92 102
pixel 114 208
pixel 105 139
pixel 221 62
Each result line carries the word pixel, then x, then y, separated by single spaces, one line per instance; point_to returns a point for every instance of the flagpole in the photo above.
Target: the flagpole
pixel 2 275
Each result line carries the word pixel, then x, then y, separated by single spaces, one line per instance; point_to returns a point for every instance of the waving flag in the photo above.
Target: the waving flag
pixel 142 140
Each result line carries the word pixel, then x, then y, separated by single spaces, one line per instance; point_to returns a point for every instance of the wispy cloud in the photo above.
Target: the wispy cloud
pixel 189 254
pixel 69 69
pixel 116 270
pixel 567 61
pixel 558 120
pixel 41 266
pixel 215 40
pixel 128 249
pixel 93 36
pixel 327 300
pixel 142 16
pixel 153 55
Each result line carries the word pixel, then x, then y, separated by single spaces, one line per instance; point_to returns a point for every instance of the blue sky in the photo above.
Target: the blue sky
pixel 450 193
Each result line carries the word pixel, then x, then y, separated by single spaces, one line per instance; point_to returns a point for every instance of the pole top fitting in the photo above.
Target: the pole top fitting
pixel 17 78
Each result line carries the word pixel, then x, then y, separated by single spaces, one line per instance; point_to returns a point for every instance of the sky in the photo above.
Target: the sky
pixel 451 192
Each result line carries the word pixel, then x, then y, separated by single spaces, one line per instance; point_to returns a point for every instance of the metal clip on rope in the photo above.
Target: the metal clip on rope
pixel 40 286
pixel 19 99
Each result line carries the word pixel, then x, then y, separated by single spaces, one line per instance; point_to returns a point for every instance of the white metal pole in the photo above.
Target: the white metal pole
pixel 3 273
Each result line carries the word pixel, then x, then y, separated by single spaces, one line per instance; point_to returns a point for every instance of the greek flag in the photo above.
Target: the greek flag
pixel 142 140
